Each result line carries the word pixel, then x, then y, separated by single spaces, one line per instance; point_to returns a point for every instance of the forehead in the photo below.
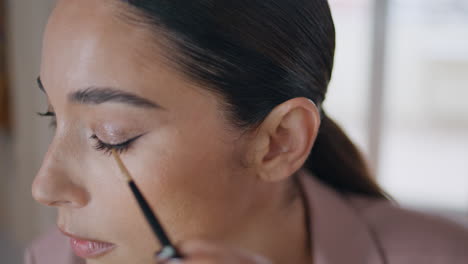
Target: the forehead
pixel 88 43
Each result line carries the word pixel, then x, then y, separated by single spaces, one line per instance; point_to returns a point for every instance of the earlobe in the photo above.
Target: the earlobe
pixel 285 138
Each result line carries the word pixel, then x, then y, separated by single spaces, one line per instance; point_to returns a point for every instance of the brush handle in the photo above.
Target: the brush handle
pixel 168 251
pixel 152 220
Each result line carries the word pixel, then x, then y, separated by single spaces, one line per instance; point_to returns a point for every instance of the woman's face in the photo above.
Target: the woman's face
pixel 106 83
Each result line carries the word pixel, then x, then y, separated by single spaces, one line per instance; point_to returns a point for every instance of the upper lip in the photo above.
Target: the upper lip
pixel 79 237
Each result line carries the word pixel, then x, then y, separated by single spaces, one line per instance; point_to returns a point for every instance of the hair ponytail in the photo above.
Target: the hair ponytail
pixel 337 162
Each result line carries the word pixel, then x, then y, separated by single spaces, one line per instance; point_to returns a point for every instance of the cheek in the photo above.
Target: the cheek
pixel 188 179
pixel 114 215
pixel 114 203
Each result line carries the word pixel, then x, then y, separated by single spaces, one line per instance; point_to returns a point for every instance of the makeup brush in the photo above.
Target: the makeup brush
pixel 168 251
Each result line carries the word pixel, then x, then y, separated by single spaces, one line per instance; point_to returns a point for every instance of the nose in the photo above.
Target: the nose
pixel 56 184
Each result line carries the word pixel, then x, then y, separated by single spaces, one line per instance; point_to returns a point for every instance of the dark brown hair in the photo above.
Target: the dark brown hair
pixel 258 54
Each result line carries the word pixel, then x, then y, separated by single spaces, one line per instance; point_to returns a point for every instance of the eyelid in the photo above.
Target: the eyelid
pixel 107 148
pixel 95 137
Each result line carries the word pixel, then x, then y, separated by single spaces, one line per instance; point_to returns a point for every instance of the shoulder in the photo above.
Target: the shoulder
pixel 407 236
pixel 50 248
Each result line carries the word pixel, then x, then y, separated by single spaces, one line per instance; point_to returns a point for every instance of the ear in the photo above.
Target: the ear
pixel 284 140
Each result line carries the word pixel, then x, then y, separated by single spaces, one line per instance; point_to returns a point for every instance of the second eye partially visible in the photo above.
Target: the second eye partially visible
pixel 53 119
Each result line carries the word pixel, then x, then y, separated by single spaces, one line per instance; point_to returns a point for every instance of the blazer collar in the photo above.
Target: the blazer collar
pixel 339 234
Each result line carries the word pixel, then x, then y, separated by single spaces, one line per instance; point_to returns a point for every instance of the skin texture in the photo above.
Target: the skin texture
pixel 205 178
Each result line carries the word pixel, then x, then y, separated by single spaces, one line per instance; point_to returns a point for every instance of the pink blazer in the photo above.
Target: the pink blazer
pixel 344 230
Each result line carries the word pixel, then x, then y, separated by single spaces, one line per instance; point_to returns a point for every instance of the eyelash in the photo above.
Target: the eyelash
pixel 99 145
pixel 107 148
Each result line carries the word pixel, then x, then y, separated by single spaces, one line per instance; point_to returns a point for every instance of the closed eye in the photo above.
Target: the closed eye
pixel 107 148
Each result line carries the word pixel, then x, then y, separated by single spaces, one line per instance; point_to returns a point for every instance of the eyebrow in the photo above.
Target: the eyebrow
pixel 99 95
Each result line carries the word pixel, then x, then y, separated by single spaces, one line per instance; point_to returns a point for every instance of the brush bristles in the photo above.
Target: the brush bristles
pixel 122 167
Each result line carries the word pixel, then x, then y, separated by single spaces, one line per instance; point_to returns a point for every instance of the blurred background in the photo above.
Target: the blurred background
pixel 400 90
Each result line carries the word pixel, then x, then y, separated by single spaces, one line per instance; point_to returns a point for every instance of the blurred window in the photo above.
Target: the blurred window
pixel 424 145
pixel 424 158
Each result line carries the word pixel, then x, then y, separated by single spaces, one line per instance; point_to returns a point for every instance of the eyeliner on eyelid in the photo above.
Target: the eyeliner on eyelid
pixel 107 148
pixel 100 145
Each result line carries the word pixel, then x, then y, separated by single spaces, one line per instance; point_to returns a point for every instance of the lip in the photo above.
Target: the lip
pixel 88 248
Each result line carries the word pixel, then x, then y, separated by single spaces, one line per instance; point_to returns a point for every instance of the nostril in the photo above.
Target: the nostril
pixel 45 191
pixel 58 191
pixel 59 203
pixel 55 182
pixel 41 194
